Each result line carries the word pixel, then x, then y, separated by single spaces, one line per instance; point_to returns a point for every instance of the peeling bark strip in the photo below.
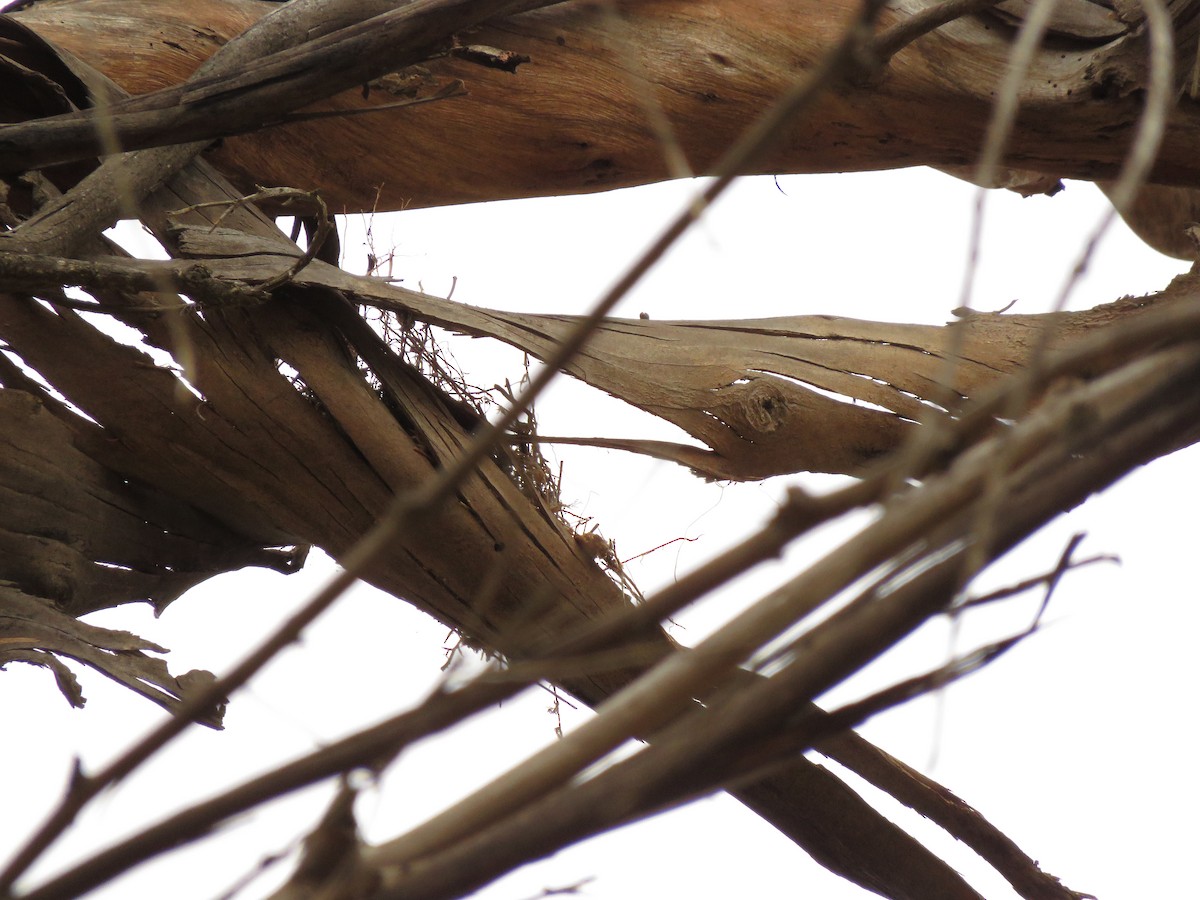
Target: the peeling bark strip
pixel 33 631
pixel 743 388
pixel 77 537
pixel 83 536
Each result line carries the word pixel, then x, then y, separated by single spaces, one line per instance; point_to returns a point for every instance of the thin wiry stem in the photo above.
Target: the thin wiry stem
pixel 1151 127
pixel 899 36
pixel 147 169
pixel 840 644
pixel 1173 323
pixel 1142 153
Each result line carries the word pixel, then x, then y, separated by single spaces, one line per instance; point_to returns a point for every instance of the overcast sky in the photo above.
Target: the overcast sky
pixel 1077 744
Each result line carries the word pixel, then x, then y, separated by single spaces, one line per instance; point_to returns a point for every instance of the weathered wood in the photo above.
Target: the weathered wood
pixel 35 632
pixel 318 458
pixel 88 538
pixel 764 396
pixel 494 565
pixel 574 120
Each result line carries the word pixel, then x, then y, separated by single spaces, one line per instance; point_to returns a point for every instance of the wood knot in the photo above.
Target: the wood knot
pixel 764 406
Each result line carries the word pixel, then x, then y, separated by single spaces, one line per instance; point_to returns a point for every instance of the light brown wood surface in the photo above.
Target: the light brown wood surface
pixel 575 117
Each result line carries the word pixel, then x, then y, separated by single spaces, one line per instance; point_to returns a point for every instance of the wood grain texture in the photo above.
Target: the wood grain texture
pixel 574 118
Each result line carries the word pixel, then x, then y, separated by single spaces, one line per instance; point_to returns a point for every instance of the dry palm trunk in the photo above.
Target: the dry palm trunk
pixel 256 462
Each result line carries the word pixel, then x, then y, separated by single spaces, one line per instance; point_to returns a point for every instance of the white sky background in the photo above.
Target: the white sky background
pixel 1077 743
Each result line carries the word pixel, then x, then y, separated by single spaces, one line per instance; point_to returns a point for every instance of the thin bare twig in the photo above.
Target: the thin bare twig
pixel 851 636
pixel 1144 150
pixel 282 196
pixel 899 36
pixel 140 173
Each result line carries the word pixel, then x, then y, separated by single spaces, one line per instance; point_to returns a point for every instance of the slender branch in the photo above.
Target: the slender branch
pixel 140 173
pixel 1165 325
pixel 412 506
pixel 35 273
pixel 288 72
pixel 407 508
pixel 854 635
pixel 899 36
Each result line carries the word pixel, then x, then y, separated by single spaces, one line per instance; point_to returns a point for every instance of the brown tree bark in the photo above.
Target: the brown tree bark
pixel 258 466
pixel 579 116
